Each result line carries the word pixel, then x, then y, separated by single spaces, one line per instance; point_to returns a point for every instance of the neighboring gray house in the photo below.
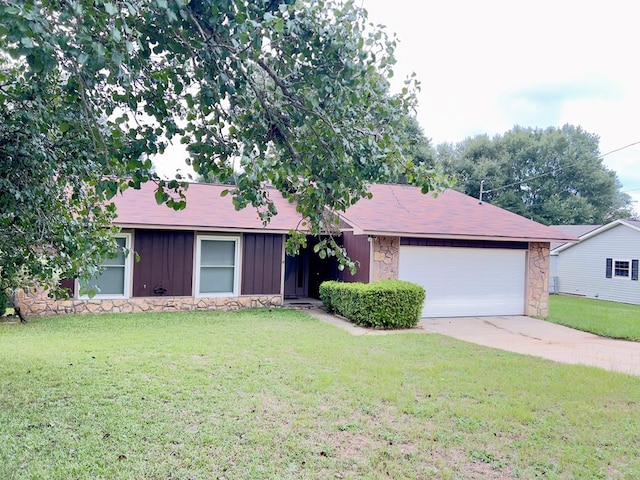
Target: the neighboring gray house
pixel 574 230
pixel 604 264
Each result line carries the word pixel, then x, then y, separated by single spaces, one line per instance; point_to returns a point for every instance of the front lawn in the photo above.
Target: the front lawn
pixel 279 395
pixel 608 319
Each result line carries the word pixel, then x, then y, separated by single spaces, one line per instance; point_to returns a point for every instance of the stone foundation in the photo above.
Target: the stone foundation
pixel 386 255
pixel 538 280
pixel 37 304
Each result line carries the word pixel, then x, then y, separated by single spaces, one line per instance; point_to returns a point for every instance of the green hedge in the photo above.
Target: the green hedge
pixel 384 304
pixel 3 302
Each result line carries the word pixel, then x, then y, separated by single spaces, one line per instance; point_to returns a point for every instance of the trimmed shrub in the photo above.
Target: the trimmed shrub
pixel 327 290
pixel 386 304
pixel 3 303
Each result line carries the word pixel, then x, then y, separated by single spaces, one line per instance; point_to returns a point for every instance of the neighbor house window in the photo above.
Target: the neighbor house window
pixel 217 266
pixel 114 280
pixel 621 268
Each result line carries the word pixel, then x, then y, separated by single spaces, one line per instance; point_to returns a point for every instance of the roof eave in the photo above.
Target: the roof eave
pixel 595 232
pixel 199 228
pixel 463 237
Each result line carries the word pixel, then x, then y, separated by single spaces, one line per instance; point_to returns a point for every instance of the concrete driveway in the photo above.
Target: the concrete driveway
pixel 520 334
pixel 530 336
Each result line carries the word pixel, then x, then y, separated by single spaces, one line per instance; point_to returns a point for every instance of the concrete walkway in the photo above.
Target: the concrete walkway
pixel 354 329
pixel 524 335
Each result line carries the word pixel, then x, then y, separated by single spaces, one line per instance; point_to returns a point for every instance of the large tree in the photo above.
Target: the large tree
pixel 417 150
pixel 52 214
pixel 552 175
pixel 293 94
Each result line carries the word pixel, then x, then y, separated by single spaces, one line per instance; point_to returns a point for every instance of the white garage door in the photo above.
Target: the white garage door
pixel 466 281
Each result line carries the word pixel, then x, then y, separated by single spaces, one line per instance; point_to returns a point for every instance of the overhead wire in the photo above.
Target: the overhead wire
pixel 560 167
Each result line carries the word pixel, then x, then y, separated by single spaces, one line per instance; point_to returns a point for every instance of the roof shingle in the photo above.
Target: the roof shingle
pixel 403 210
pixel 206 210
pixel 400 210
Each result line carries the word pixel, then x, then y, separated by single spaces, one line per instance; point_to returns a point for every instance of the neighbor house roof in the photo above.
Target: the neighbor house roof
pixel 206 210
pixel 633 224
pixel 575 230
pixel 404 210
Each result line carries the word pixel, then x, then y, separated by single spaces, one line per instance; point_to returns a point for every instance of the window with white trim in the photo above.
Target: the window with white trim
pixel 217 262
pixel 621 268
pixel 115 278
pixel 626 269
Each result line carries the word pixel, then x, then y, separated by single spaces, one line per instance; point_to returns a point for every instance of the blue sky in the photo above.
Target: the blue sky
pixel 487 66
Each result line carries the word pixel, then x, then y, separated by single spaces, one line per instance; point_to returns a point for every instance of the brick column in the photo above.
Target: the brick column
pixel 538 280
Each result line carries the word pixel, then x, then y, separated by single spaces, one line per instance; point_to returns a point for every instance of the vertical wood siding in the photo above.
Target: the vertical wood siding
pixel 261 264
pixel 69 284
pixel 358 248
pixel 166 263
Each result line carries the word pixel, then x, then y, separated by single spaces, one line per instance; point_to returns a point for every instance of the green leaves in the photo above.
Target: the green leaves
pixel 51 186
pixel 110 8
pixel 292 94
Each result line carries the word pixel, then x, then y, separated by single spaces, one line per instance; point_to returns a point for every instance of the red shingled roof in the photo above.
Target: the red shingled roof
pixel 404 211
pixel 394 210
pixel 206 210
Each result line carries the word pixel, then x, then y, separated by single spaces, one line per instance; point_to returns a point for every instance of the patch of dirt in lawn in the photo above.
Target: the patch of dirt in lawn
pixel 349 445
pixel 471 469
pixel 200 359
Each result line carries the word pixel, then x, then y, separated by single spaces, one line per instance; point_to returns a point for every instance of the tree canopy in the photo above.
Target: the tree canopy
pixel 295 93
pixel 417 149
pixel 553 175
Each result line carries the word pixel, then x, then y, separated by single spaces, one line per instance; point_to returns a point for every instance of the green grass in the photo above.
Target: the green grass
pixel 607 319
pixel 278 395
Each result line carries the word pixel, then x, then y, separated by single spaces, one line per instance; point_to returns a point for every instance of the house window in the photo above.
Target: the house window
pixel 217 266
pixel 621 268
pixel 115 278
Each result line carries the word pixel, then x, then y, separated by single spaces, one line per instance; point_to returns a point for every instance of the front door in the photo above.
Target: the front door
pixel 296 275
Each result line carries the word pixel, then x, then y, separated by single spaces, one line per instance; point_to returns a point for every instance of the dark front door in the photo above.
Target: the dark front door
pixel 305 272
pixel 296 275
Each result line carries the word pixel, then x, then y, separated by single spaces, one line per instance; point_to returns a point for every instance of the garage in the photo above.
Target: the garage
pixel 466 281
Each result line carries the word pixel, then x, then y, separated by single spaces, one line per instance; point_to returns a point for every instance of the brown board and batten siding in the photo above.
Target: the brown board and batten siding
pixel 359 250
pixel 166 263
pixel 262 264
pixel 68 284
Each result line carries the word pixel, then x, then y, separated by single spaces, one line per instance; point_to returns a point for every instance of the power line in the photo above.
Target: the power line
pixel 618 149
pixel 560 167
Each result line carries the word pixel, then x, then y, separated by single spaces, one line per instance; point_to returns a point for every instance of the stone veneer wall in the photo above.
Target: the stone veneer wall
pixel 386 255
pixel 538 280
pixel 37 304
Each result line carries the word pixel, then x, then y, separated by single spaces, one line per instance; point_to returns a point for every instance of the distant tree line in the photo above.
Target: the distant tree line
pixel 551 175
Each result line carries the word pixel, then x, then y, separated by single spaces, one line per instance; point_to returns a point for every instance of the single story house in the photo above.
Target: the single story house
pixel 472 258
pixel 604 264
pixel 575 230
